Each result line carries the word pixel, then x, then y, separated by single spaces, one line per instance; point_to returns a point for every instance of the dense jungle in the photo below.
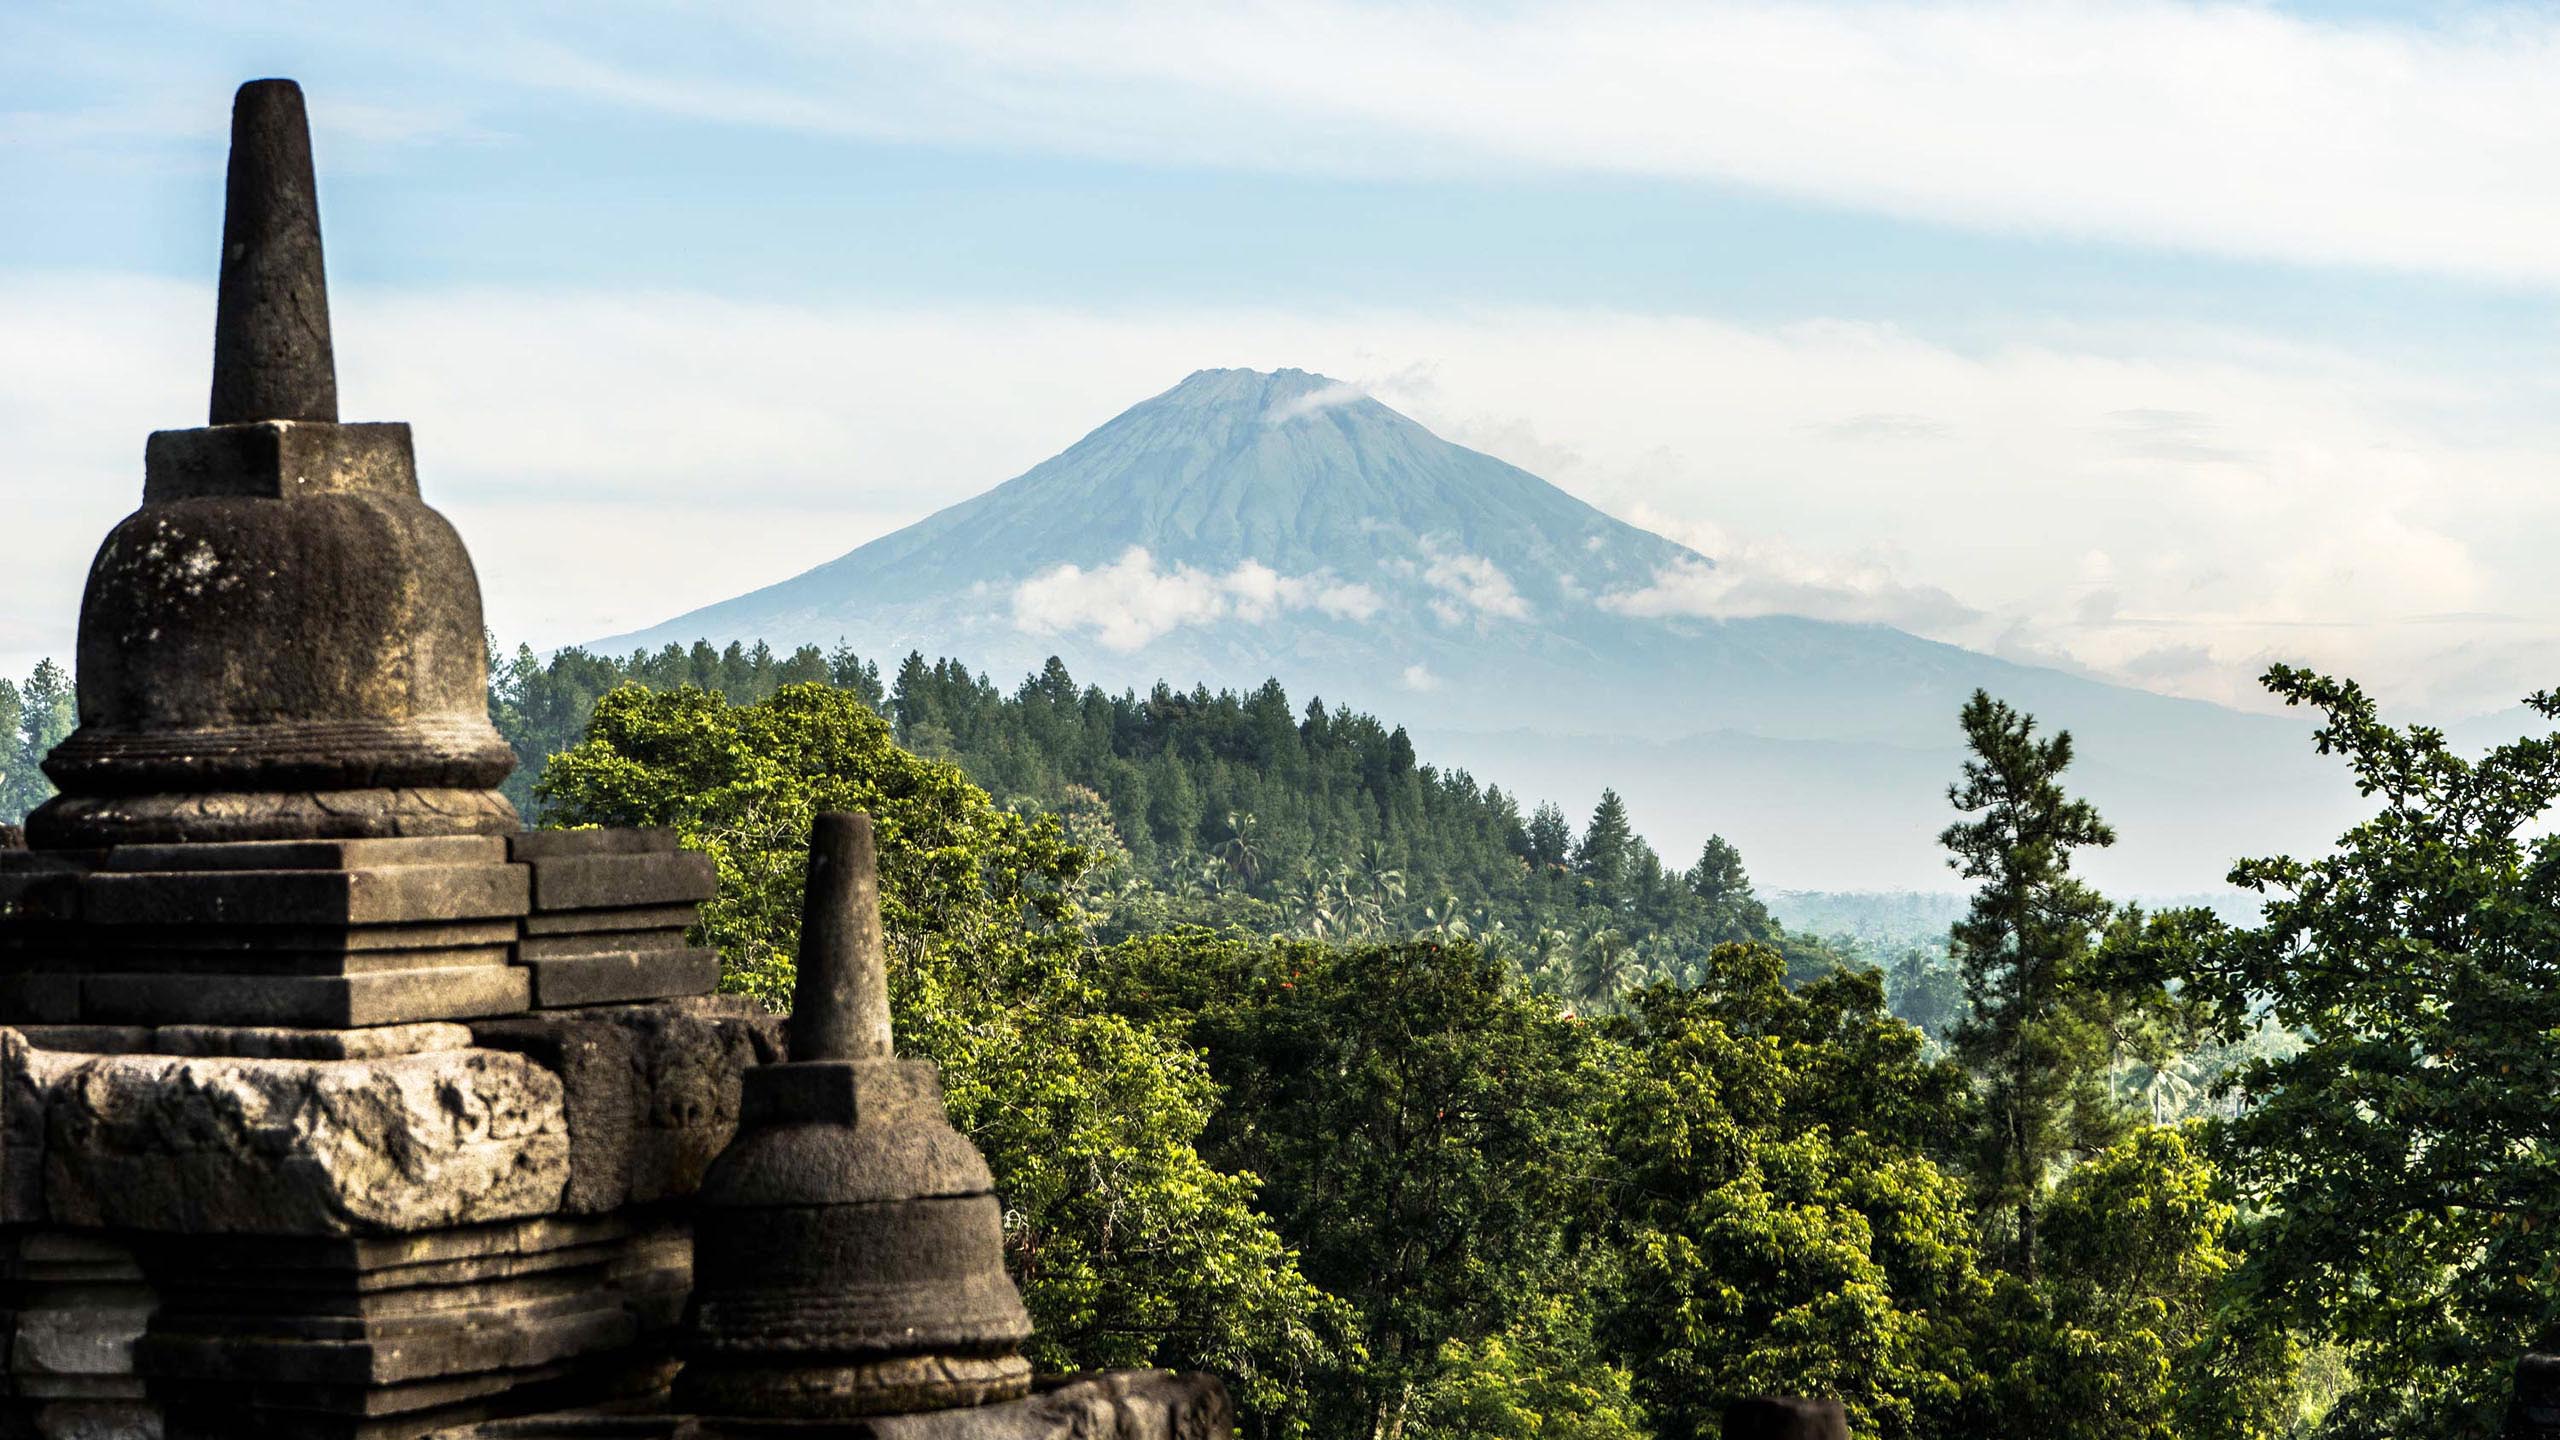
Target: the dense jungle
pixel 1304 1060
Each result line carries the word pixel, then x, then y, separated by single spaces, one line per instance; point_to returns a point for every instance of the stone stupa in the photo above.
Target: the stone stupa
pixel 335 1105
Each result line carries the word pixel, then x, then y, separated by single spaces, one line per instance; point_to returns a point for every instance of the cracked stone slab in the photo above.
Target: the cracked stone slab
pixel 199 1145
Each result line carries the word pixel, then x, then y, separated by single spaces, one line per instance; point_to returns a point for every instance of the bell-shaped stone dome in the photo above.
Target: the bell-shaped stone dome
pixel 284 641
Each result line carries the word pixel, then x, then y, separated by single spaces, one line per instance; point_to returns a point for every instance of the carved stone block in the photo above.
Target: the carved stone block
pixel 293 1147
pixel 651 1091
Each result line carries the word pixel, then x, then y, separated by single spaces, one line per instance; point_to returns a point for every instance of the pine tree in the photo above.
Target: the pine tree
pixel 2037 1032
pixel 1607 844
pixel 1550 838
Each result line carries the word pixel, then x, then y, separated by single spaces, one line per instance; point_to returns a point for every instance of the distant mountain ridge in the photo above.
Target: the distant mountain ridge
pixel 1246 524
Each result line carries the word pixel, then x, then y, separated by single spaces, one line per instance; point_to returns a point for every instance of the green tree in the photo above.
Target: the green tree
pixel 1783 1224
pixel 2127 1334
pixel 1542 1379
pixel 44 713
pixel 2038 1025
pixel 1608 843
pixel 1428 1133
pixel 2403 1155
pixel 14 765
pixel 1130 1248
pixel 1550 837
pixel 1721 883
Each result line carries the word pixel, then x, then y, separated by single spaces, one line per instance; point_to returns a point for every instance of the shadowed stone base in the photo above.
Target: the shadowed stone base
pixel 83 822
pixel 1785 1417
pixel 2534 1413
pixel 1119 1405
pixel 894 1385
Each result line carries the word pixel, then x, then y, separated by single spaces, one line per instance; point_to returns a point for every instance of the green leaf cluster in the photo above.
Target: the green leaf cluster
pixel 35 715
pixel 1130 1247
pixel 2399 1162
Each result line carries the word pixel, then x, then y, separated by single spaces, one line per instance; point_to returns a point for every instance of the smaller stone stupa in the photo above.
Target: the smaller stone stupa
pixel 848 1246
pixel 848 1249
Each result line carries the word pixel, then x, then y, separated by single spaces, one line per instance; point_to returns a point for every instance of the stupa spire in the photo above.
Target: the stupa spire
pixel 271 354
pixel 840 999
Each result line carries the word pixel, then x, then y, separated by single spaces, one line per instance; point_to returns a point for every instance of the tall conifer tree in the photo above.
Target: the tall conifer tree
pixel 2037 1033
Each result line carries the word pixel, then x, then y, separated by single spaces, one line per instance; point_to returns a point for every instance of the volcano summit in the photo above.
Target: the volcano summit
pixel 1245 525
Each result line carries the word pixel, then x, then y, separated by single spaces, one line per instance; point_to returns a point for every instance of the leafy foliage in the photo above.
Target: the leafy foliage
pixel 35 715
pixel 1785 1223
pixel 1428 1132
pixel 2125 1335
pixel 1131 1249
pixel 1233 809
pixel 2402 1157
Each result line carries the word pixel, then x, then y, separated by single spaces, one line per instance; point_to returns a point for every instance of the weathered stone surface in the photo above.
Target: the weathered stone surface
pixel 290 1147
pixel 628 840
pixel 152 960
pixel 652 1091
pixel 617 881
pixel 635 975
pixel 387 1263
pixel 98 1420
pixel 388 997
pixel 848 1251
pixel 780 1286
pixel 276 1043
pixel 1120 1405
pixel 391 895
pixel 24 1086
pixel 39 885
pixel 39 997
pixel 69 821
pixel 480 1340
pixel 438 850
pixel 271 354
pixel 284 640
pixel 676 918
pixel 80 1330
pixel 1785 1417
pixel 840 999
pixel 597 942
pixel 249 941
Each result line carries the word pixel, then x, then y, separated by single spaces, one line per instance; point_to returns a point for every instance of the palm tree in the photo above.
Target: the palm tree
pixel 1382 884
pixel 1441 918
pixel 1606 965
pixel 1240 851
pixel 1316 900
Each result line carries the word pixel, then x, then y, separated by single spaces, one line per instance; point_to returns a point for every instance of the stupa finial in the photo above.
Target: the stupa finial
pixel 840 999
pixel 271 352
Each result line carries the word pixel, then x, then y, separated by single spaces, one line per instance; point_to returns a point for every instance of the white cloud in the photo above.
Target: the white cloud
pixel 2430 143
pixel 1131 601
pixel 616 459
pixel 1774 578
pixel 1419 679
pixel 1471 587
pixel 1324 397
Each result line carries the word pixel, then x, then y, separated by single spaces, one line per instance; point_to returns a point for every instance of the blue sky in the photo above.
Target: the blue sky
pixel 2155 340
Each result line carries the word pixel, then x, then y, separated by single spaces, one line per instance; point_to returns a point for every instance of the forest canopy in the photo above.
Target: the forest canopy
pixel 1303 1060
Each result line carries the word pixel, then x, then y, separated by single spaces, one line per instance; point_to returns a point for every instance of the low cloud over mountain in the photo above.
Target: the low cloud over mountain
pixel 1244 525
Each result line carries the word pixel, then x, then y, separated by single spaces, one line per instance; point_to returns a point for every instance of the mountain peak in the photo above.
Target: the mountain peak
pixel 1270 395
pixel 1241 478
pixel 1249 523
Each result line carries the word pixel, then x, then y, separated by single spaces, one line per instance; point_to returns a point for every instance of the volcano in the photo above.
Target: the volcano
pixel 1245 525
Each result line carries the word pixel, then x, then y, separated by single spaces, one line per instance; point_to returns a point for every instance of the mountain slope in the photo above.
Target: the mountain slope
pixel 1243 524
